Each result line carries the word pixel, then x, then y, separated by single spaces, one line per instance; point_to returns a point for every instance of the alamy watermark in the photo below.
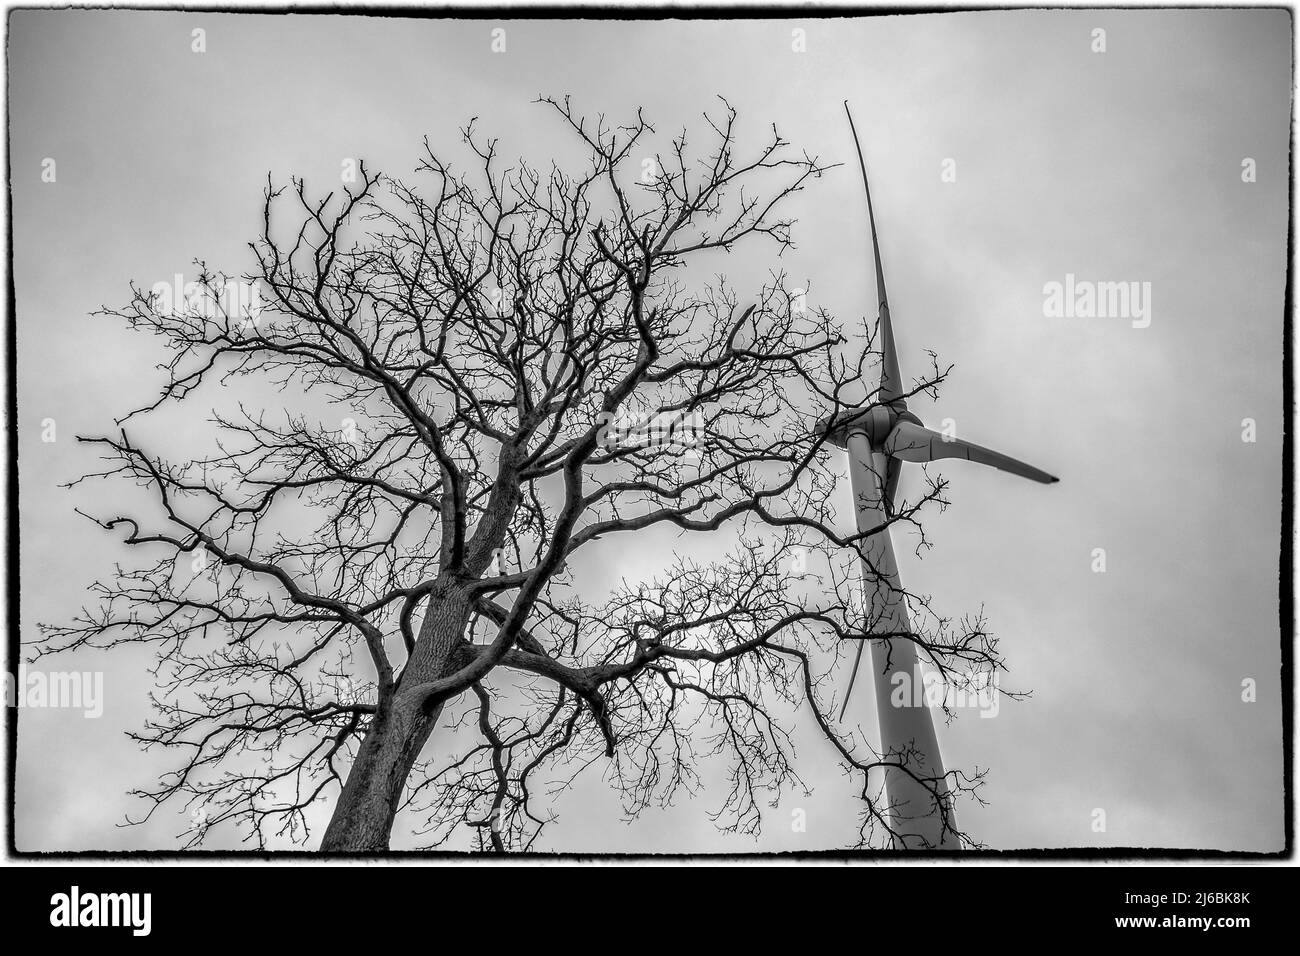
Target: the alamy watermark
pixel 76 908
pixel 64 689
pixel 981 692
pixel 676 429
pixel 236 300
pixel 1085 299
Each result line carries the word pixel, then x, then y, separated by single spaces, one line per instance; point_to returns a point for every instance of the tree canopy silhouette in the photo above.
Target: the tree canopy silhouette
pixel 455 390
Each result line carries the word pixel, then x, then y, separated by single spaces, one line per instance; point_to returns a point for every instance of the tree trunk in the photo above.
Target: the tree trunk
pixel 363 817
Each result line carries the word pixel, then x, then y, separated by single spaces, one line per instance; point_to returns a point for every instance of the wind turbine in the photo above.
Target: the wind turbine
pixel 878 440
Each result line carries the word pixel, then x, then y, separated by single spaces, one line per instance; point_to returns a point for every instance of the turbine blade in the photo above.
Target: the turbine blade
pixel 891 379
pixel 853 676
pixel 911 442
pixel 870 506
pixel 893 470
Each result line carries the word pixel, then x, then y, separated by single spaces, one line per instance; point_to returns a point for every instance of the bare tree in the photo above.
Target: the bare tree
pixel 370 592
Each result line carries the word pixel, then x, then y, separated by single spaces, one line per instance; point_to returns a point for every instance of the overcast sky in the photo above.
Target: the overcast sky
pixel 1117 166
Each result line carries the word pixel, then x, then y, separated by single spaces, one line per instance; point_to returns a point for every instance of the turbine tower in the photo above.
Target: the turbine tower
pixel 878 439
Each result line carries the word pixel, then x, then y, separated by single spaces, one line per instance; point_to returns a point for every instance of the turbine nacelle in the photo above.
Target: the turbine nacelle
pixel 877 422
pixel 897 433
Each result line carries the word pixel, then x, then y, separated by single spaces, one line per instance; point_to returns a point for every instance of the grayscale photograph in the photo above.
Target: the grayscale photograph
pixel 775 436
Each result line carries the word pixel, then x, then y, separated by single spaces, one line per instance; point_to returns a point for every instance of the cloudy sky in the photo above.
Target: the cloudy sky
pixel 1123 165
